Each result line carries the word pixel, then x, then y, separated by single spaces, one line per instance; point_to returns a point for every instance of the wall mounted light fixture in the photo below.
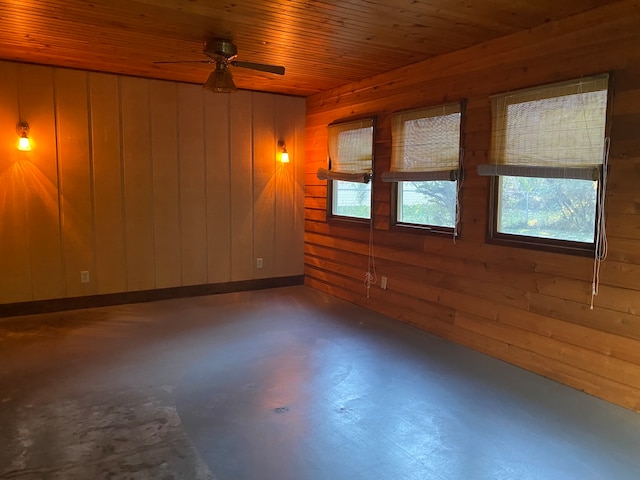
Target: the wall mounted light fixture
pixel 23 142
pixel 282 150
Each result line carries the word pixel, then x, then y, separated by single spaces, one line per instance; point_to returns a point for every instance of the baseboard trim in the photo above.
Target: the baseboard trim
pixel 76 303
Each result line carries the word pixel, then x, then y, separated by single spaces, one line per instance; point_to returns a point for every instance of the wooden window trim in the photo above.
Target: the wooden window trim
pixel 435 230
pixel 417 228
pixel 532 243
pixel 539 243
pixel 342 219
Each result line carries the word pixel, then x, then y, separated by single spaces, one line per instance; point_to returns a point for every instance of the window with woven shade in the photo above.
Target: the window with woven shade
pixel 350 147
pixel 425 166
pixel 548 148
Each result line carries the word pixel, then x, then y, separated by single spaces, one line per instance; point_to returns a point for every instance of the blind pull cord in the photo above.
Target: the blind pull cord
pixel 601 247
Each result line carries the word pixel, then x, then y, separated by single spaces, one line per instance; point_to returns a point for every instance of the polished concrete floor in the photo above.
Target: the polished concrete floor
pixel 284 384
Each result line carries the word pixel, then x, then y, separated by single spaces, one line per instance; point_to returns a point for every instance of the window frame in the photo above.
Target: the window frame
pixel 347 219
pixel 423 228
pixel 571 247
pixel 555 245
pixel 439 230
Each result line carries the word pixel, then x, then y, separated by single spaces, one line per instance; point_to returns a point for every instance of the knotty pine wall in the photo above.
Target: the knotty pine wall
pixel 527 307
pixel 146 184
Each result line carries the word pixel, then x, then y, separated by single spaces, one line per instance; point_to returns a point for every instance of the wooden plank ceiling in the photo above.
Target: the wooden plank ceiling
pixel 322 43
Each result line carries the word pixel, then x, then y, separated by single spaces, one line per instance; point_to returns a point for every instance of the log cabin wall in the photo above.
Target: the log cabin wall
pixel 527 307
pixel 145 184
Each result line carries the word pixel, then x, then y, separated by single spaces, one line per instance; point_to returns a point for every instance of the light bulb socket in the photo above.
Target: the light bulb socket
pixel 22 128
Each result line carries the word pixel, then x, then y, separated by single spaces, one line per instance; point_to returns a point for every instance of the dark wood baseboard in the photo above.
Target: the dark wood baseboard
pixel 75 303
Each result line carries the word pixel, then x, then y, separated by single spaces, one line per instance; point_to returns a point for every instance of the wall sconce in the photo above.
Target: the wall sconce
pixel 282 149
pixel 24 144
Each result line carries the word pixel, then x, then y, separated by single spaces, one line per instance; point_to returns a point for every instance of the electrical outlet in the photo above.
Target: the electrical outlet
pixel 84 276
pixel 383 283
pixel 259 262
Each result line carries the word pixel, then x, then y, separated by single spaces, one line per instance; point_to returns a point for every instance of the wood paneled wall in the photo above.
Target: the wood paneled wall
pixel 527 307
pixel 146 184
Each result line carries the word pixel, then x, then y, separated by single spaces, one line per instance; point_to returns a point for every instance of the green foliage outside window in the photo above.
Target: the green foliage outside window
pixel 428 203
pixel 548 207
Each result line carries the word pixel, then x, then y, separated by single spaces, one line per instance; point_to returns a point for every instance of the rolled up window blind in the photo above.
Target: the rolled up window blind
pixel 578 173
pixel 350 146
pixel 324 174
pixel 552 131
pixel 425 144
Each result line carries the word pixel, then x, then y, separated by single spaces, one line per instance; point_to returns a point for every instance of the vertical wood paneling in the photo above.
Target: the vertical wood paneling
pixel 241 152
pixel 264 184
pixel 41 180
pixel 138 194
pixel 166 184
pixel 15 262
pixel 193 216
pixel 298 109
pixel 162 184
pixel 289 227
pixel 217 122
pixel 75 179
pixel 110 254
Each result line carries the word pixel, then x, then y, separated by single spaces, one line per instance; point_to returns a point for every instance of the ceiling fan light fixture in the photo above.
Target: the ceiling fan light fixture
pixel 220 80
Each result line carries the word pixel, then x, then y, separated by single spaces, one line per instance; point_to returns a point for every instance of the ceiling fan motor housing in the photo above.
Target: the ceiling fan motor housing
pixel 218 48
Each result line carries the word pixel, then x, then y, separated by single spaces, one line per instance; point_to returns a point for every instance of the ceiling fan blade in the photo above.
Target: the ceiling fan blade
pixel 186 61
pixel 259 66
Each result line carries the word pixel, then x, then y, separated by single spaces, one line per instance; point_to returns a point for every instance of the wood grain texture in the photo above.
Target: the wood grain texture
pixel 323 45
pixel 264 184
pixel 166 184
pixel 108 219
pixel 76 209
pixel 138 184
pixel 193 215
pixel 527 307
pixel 15 261
pixel 42 180
pixel 240 123
pixel 131 179
pixel 217 136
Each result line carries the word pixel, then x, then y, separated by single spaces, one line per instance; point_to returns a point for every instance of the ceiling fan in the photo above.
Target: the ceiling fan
pixel 223 53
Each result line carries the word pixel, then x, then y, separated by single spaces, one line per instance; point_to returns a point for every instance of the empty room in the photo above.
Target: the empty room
pixel 319 239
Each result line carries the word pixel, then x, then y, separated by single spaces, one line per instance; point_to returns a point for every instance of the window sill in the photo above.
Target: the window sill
pixel 418 229
pixel 348 221
pixel 543 244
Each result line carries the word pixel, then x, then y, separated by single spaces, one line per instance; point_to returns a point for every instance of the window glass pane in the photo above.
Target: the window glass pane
pixel 351 199
pixel 556 208
pixel 427 203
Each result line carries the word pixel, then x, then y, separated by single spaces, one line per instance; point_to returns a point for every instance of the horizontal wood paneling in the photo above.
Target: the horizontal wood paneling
pixel 129 179
pixel 529 308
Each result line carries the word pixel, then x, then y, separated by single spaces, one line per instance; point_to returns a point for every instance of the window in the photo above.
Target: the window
pixel 350 146
pixel 547 155
pixel 351 199
pixel 425 163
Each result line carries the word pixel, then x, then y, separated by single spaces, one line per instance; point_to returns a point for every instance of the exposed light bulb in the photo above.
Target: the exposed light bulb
pixel 284 155
pixel 24 144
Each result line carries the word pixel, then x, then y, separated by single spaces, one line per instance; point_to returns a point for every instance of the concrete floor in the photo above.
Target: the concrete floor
pixel 284 384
